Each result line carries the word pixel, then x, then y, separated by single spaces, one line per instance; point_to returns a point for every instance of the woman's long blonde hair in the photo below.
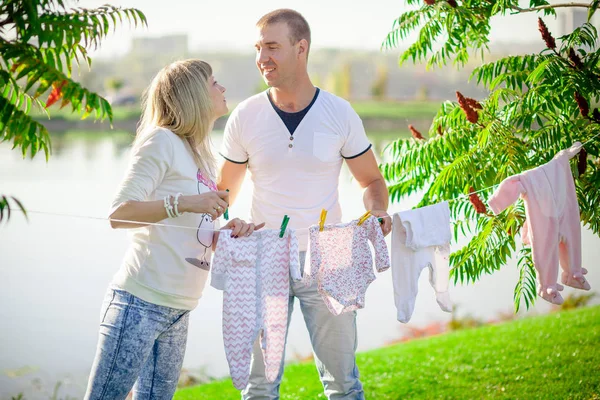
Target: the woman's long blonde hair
pixel 178 99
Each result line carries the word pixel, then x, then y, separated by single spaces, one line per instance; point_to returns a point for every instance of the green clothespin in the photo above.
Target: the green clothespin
pixel 284 224
pixel 380 220
pixel 226 213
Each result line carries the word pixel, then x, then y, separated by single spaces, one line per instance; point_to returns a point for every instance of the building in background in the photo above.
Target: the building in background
pixel 169 45
pixel 571 18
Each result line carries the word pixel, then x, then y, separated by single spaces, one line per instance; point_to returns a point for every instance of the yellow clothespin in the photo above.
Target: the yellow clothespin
pixel 364 217
pixel 322 219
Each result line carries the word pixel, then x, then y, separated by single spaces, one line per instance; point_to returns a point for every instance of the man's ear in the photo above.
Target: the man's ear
pixel 302 47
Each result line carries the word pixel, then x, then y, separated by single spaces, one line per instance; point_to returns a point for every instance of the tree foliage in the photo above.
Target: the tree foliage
pixel 538 104
pixel 41 41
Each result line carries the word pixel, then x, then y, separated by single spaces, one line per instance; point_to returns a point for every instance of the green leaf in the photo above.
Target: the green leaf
pixel 535 76
pixel 21 207
pixel 592 10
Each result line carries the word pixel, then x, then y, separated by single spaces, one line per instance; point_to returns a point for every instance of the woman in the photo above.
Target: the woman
pixel 170 181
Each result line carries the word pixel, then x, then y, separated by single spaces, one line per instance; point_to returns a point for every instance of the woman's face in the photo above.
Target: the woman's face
pixel 217 95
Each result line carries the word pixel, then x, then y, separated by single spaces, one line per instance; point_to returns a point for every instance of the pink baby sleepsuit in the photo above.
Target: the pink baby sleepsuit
pixel 254 274
pixel 342 264
pixel 552 227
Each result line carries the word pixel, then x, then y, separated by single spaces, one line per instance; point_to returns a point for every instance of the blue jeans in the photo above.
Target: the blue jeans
pixel 140 343
pixel 334 342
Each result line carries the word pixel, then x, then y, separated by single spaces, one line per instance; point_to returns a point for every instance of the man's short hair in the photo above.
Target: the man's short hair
pixel 298 26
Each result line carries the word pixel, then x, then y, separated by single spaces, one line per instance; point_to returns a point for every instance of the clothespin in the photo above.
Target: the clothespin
pixel 322 219
pixel 226 213
pixel 364 217
pixel 284 224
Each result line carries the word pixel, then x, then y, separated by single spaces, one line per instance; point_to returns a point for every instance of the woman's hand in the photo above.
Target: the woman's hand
pixel 238 228
pixel 213 203
pixel 241 228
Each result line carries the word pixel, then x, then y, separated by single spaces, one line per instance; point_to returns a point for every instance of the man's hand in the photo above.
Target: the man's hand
pixel 386 222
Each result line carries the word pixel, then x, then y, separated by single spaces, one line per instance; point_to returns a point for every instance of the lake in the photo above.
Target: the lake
pixel 54 271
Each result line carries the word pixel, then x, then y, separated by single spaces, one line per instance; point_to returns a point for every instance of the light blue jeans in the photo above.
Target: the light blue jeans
pixel 334 342
pixel 140 343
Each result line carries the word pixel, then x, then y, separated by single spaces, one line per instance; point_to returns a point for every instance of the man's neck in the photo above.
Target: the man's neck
pixel 294 98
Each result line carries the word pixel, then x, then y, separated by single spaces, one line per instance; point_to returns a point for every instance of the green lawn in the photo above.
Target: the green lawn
pixel 119 113
pixel 397 110
pixel 366 109
pixel 556 356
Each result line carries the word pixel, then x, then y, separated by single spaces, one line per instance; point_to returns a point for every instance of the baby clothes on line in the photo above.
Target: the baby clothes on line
pixel 552 227
pixel 342 264
pixel 420 238
pixel 254 274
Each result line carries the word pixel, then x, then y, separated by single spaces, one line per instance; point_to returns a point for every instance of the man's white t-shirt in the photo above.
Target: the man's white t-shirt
pixel 295 174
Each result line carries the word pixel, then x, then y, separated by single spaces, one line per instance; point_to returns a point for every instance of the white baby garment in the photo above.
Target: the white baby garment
pixel 420 238
pixel 254 274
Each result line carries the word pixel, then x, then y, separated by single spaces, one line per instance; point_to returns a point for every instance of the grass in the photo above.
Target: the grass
pixel 116 134
pixel 397 110
pixel 121 113
pixel 554 356
pixel 366 109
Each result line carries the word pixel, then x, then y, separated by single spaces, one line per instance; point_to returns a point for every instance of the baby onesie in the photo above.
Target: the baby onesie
pixel 420 238
pixel 552 227
pixel 254 274
pixel 342 264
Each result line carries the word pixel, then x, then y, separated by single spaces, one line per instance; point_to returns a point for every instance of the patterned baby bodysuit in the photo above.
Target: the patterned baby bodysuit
pixel 342 264
pixel 254 274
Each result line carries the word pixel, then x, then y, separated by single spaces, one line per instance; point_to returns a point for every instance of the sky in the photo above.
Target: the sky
pixel 228 25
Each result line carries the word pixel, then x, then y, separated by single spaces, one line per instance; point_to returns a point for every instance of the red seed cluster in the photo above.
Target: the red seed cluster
pixel 415 133
pixel 471 114
pixel 473 103
pixel 429 2
pixel 546 35
pixel 583 105
pixel 452 3
pixel 575 59
pixel 476 201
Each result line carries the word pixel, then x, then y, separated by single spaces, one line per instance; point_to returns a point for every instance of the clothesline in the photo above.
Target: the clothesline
pixel 497 184
pixel 217 230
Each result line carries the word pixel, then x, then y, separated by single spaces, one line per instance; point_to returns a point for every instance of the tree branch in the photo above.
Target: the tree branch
pixel 563 5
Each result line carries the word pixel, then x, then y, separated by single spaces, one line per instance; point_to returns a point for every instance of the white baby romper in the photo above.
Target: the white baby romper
pixel 420 238
pixel 254 274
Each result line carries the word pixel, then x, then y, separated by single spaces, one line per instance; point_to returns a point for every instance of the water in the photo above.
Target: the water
pixel 54 272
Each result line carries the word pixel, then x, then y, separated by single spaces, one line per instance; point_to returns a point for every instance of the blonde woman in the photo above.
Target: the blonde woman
pixel 170 181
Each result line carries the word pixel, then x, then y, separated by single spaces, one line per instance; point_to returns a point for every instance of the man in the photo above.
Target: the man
pixel 293 138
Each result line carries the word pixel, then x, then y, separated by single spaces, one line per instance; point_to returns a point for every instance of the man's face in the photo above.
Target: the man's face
pixel 276 57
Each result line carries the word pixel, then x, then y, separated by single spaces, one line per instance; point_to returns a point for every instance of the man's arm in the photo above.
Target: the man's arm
pixel 376 198
pixel 231 177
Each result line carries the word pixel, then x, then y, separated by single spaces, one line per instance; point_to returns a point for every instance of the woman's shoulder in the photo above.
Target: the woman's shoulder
pixel 159 136
pixel 157 142
pixel 158 133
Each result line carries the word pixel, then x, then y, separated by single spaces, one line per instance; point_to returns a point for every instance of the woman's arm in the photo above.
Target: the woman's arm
pixel 147 212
